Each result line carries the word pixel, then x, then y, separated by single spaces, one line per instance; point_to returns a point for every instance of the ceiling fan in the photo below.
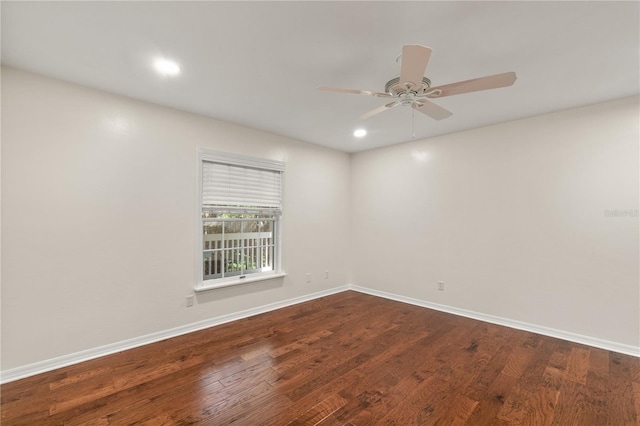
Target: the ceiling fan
pixel 414 89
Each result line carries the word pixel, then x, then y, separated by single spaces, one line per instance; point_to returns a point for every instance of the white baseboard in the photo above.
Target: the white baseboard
pixel 86 355
pixel 546 331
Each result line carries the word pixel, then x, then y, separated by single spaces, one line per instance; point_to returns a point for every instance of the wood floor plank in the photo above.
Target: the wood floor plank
pixel 518 362
pixel 320 411
pixel 346 359
pixel 620 397
pixel 514 408
pixel 597 386
pixel 460 409
pixel 578 365
pixel 574 407
pixel 479 387
pixel 636 397
pixel 542 407
pixel 491 402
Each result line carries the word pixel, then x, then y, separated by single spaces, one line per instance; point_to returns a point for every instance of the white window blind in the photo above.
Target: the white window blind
pixel 234 188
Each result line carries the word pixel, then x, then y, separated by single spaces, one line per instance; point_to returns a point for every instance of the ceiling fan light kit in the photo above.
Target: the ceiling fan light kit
pixel 413 89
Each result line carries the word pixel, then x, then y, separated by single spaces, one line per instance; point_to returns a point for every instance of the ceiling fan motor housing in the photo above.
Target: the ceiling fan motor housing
pixel 394 87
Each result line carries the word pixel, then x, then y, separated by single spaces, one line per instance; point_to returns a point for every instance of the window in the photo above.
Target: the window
pixel 240 218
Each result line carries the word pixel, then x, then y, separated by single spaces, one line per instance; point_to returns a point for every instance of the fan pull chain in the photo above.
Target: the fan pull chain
pixel 413 123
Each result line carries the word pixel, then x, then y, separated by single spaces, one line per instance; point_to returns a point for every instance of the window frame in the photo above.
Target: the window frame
pixel 208 155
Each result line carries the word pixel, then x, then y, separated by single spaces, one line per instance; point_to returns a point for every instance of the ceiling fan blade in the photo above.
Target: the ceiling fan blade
pixel 432 110
pixel 379 110
pixel 355 92
pixel 475 85
pixel 414 63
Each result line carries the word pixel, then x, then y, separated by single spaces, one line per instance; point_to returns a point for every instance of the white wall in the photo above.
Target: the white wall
pixel 512 218
pixel 99 218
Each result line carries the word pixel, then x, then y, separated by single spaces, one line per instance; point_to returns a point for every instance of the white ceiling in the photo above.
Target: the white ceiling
pixel 258 63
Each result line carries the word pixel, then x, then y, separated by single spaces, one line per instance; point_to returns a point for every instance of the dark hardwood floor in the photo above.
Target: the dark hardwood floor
pixel 346 359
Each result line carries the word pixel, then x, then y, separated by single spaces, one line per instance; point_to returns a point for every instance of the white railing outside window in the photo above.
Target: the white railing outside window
pixel 230 253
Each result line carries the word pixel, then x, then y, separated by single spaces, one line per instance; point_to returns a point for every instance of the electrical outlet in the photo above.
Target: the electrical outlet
pixel 308 277
pixel 440 285
pixel 326 275
pixel 189 300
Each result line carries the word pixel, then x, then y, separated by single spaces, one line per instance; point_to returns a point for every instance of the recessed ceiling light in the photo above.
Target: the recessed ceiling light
pixel 360 133
pixel 166 67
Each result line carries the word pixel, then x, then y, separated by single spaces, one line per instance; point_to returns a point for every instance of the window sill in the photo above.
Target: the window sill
pixel 239 281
